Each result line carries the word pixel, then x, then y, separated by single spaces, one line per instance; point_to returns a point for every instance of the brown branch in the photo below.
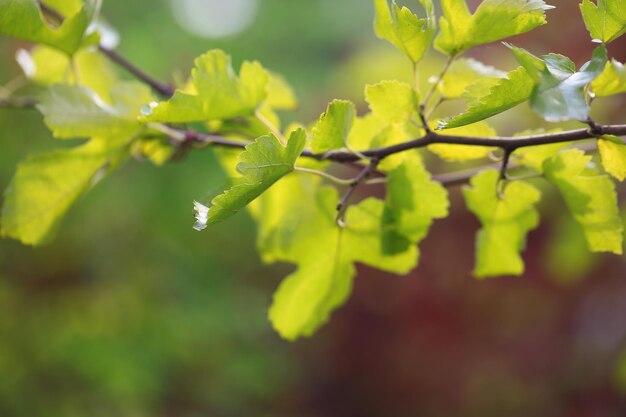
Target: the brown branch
pixel 163 89
pixel 363 175
pixel 508 144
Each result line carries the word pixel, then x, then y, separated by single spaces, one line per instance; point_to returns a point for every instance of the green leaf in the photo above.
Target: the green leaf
pixel 46 66
pixel 611 81
pixel 217 92
pixel 560 94
pixel 605 21
pixel 493 20
pixel 365 131
pixel 590 197
pixel 325 255
pixel 264 162
pixel 392 101
pixel 155 149
pixel 506 221
pixel 462 73
pixel 464 152
pixel 405 30
pixel 45 186
pixel 280 95
pixel 487 98
pixel 74 111
pixel 23 19
pixel 414 201
pixel 613 155
pixel 332 129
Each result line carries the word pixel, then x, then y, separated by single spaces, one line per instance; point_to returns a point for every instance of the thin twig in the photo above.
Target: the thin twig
pixel 343 204
pixel 161 88
pixel 332 178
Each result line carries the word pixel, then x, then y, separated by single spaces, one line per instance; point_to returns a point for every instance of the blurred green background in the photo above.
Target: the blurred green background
pixel 131 313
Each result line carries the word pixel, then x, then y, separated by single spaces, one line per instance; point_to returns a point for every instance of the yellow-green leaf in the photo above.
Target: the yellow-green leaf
pixel 606 20
pixel 264 162
pixel 45 186
pixel 464 152
pixel 392 101
pixel 493 20
pixel 611 81
pixel 405 30
pixel 590 197
pixel 218 93
pixel 74 111
pixel 24 20
pixel 613 156
pixel 333 127
pixel 506 220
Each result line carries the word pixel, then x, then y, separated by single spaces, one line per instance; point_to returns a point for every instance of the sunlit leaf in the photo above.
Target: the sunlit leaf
pixel 45 66
pixel 493 20
pixel 392 101
pixel 613 156
pixel 74 111
pixel 464 152
pixel 264 162
pixel 505 219
pixel 464 72
pixel 405 30
pixel 590 197
pixel 45 186
pixel 219 92
pixel 325 255
pixel 611 81
pixel 487 98
pixel 606 20
pixel 24 20
pixel 414 201
pixel 332 129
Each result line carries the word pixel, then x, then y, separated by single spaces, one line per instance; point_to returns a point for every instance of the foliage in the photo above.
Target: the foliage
pixel 282 172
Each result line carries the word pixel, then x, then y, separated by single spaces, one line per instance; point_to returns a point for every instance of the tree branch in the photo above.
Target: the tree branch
pixel 508 144
pixel 161 88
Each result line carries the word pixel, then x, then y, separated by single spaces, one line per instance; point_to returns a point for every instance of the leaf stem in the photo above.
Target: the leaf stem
pixel 326 175
pixel 271 127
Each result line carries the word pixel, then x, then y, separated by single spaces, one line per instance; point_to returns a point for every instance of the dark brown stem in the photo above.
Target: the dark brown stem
pixel 363 175
pixel 161 88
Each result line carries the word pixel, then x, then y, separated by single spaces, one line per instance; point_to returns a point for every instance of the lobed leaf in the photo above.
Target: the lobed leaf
pixel 392 101
pixel 611 81
pixel 74 111
pixel 45 186
pixel 559 94
pixel 47 66
pixel 332 129
pixel 606 20
pixel 462 73
pixel 590 197
pixel 613 156
pixel 405 30
pixel 325 255
pixel 23 19
pixel 414 201
pixel 264 162
pixel 505 219
pixel 487 97
pixel 215 92
pixel 493 20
